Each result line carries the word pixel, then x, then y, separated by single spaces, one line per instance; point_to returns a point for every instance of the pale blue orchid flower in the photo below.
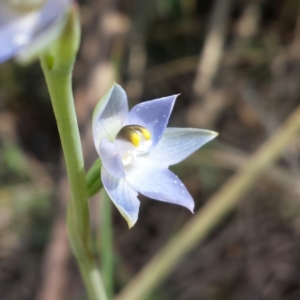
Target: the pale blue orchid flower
pixel 136 150
pixel 29 26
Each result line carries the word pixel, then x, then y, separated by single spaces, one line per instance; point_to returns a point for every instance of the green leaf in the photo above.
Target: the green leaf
pixel 93 180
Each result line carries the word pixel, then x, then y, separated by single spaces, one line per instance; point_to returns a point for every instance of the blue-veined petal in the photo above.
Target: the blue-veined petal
pixel 158 183
pixel 109 114
pixel 153 115
pixel 33 30
pixel 178 143
pixel 122 195
pixel 111 160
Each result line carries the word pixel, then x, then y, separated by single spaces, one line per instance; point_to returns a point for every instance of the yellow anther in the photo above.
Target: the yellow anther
pixel 134 134
pixel 134 138
pixel 145 132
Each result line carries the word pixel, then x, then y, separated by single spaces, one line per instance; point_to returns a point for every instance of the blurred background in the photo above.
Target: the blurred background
pixel 236 64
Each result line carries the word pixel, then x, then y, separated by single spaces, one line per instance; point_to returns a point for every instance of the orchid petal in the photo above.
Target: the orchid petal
pixel 178 143
pixel 111 160
pixel 158 183
pixel 123 196
pixel 153 115
pixel 30 31
pixel 109 114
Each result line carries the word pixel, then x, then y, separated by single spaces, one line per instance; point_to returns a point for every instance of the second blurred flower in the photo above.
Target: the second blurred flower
pixel 29 26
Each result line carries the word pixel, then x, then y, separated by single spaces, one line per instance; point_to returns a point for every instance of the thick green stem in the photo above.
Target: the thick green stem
pixel 60 89
pixel 57 64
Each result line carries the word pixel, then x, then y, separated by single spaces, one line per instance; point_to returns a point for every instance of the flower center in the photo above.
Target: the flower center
pixel 132 140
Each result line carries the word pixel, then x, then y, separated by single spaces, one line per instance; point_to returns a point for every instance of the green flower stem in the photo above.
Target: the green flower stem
pixel 57 64
pixel 59 85
pixel 211 214
pixel 106 242
pixel 60 89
